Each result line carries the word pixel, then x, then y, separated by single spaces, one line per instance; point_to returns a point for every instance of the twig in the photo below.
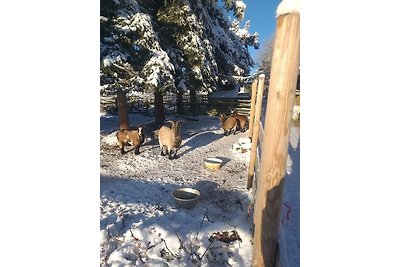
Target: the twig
pixel 134 237
pixel 165 243
pixel 186 249
pixel 182 244
pixel 201 224
pixel 209 245
pixel 152 246
pixel 139 244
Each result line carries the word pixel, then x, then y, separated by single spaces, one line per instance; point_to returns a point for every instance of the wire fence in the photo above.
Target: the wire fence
pixel 203 104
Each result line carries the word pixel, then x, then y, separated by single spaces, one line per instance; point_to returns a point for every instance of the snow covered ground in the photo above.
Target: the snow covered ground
pixel 140 224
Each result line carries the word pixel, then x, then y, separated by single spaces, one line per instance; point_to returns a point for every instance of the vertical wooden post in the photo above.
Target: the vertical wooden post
pixel 252 109
pixel 254 139
pixel 285 67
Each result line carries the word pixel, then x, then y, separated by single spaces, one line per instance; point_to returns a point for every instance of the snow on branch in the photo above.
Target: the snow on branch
pixel 238 7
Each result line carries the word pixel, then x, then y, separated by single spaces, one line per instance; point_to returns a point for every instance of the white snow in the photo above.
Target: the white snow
pixel 109 60
pixel 182 85
pixel 288 6
pixel 140 224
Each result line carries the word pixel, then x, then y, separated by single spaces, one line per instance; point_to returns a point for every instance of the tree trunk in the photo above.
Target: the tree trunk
pixel 122 110
pixel 179 103
pixel 159 108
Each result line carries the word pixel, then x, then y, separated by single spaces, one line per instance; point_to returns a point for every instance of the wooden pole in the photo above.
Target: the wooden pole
pixel 254 139
pixel 284 71
pixel 252 109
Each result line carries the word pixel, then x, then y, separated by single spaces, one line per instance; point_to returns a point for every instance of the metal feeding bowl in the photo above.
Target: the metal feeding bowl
pixel 186 197
pixel 213 163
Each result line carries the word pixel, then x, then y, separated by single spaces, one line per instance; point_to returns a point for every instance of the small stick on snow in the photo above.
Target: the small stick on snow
pixel 136 239
pixel 206 249
pixel 165 243
pixel 182 245
pixel 150 247
pixel 201 224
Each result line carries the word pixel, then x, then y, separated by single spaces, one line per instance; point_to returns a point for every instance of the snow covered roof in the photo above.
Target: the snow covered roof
pixel 233 93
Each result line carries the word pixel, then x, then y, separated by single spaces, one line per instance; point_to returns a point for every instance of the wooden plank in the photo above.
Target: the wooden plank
pixel 284 72
pixel 253 107
pixel 254 139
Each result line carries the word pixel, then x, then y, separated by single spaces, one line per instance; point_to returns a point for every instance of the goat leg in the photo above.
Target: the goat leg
pixel 176 151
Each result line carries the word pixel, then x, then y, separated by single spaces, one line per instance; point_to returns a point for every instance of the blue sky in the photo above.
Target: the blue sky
pixel 261 14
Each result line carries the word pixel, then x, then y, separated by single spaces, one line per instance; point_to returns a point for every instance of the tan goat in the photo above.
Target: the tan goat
pixel 170 138
pixel 134 138
pixel 228 124
pixel 243 120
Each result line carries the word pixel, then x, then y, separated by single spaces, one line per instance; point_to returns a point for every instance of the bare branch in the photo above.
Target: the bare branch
pixel 209 245
pixel 201 224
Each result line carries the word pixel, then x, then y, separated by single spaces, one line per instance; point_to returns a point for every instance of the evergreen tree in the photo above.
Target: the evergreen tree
pixel 172 45
pixel 130 47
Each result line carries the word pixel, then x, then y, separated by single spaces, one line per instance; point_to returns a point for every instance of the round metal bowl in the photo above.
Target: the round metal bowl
pixel 186 197
pixel 213 163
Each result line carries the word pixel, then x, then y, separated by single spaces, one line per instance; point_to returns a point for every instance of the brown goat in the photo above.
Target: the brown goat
pixel 228 124
pixel 243 120
pixel 134 138
pixel 170 138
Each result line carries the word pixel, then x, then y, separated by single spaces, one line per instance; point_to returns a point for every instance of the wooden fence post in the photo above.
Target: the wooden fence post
pixel 252 107
pixel 284 71
pixel 254 139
